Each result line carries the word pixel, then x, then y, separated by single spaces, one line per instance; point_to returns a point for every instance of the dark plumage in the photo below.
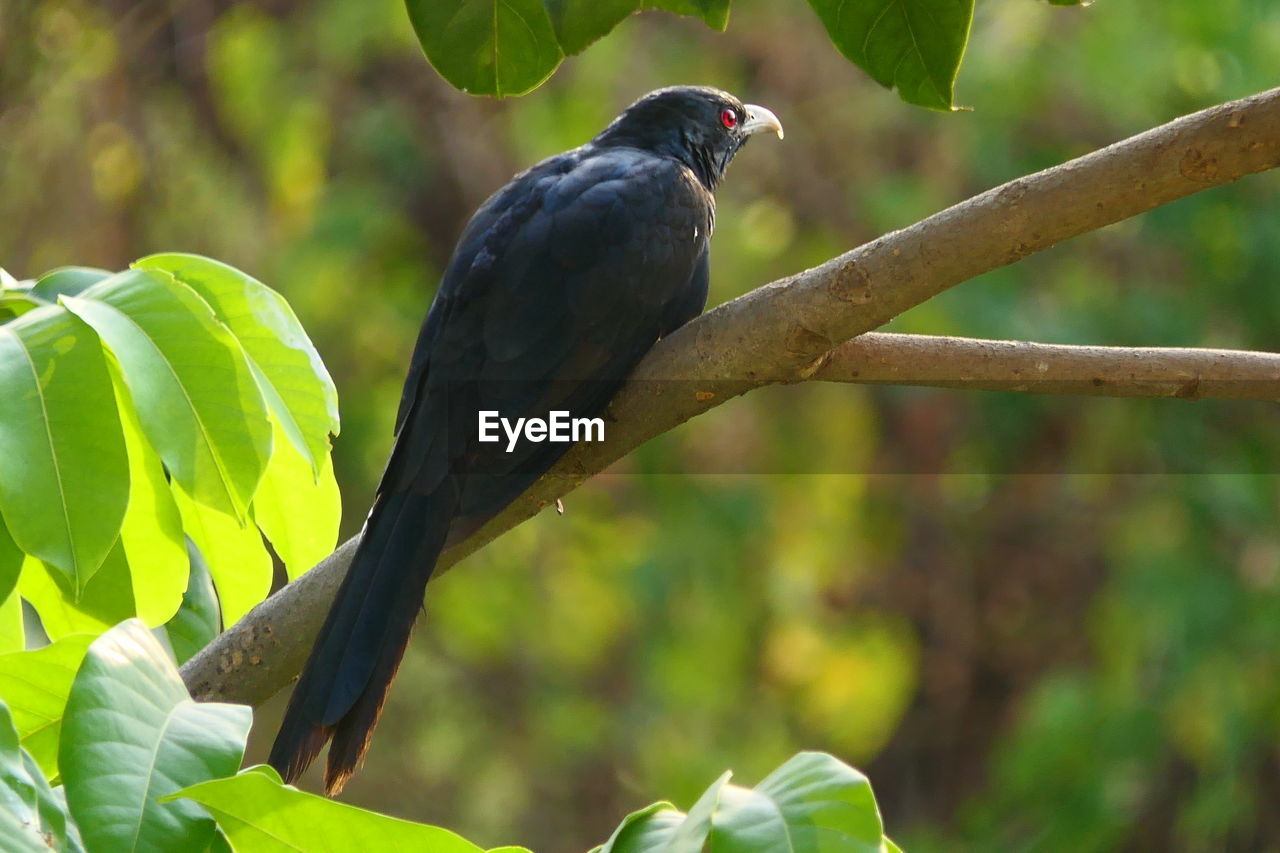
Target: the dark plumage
pixel 559 284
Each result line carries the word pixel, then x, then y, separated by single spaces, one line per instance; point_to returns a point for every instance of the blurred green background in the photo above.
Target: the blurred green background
pixel 1036 623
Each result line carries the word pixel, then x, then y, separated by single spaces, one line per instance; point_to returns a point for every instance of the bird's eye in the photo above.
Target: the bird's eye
pixel 729 118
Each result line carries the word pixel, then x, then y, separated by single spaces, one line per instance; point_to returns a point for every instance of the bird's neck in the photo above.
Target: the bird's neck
pixel 701 160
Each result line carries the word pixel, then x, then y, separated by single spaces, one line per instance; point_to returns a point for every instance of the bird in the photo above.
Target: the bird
pixel 559 284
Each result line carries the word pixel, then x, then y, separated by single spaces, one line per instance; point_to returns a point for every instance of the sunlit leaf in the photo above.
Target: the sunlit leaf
pixel 32 818
pixel 487 47
pixel 63 488
pixel 913 45
pixel 131 735
pixel 10 562
pixel 13 633
pixel 825 802
pixel 35 686
pixel 258 812
pixel 16 304
pixel 651 828
pixel 106 600
pixel 811 804
pixel 693 834
pixel 238 560
pixel 151 535
pixel 298 514
pixel 195 394
pixel 294 380
pixel 199 619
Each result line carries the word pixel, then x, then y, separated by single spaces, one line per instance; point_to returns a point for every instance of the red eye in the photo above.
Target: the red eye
pixel 729 118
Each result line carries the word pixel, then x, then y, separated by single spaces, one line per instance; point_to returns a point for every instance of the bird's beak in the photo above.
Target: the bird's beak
pixel 760 120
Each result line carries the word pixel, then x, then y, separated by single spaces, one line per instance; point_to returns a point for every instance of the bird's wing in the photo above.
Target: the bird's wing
pixel 569 278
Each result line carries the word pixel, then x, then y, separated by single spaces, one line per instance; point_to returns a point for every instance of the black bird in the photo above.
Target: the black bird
pixel 560 283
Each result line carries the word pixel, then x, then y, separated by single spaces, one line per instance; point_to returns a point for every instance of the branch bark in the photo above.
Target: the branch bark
pixel 967 363
pixel 792 330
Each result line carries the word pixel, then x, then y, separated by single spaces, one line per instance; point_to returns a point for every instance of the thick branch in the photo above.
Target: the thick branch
pixel 782 331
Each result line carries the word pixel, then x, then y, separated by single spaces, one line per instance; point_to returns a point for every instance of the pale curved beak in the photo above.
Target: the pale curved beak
pixel 760 120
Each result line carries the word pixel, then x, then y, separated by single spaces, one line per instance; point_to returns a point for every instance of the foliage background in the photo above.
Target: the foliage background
pixel 1036 623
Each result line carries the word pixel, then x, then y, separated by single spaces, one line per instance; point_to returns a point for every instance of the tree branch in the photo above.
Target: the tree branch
pixel 786 331
pixel 967 363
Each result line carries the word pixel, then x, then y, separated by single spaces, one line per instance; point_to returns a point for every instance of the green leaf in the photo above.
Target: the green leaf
pixel 651 828
pixel 692 835
pixel 13 632
pixel 487 47
pixel 293 378
pixel 914 45
pixel 16 304
pixel 106 600
pixel 35 686
pixel 811 804
pixel 578 23
pixel 10 562
pixel 194 391
pixel 715 13
pixel 67 281
pixel 237 558
pixel 131 735
pixel 825 801
pixel 63 487
pixel 298 513
pixel 32 818
pixel 151 536
pixel 198 620
pixel 260 813
pixel 220 844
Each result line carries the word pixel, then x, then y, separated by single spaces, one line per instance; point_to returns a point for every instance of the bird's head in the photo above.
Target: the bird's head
pixel 701 126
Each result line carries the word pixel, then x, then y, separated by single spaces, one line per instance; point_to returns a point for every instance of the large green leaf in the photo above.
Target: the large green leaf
pixel 131 735
pixel 151 535
pixel 651 828
pixel 106 599
pixel 16 304
pixel 259 812
pixel 580 22
pixel 10 562
pixel 825 802
pixel 199 619
pixel 63 487
pixel 294 380
pixel 66 281
pixel 13 633
pixel 195 393
pixel 487 47
pixel 811 804
pixel 237 558
pixel 714 12
pixel 914 45
pixel 298 512
pixel 32 818
pixel 35 685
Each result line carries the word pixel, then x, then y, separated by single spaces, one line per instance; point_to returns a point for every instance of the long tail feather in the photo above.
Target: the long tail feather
pixel 355 658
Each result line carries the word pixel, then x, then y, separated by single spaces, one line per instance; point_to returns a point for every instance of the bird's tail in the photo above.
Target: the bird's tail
pixel 355 657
